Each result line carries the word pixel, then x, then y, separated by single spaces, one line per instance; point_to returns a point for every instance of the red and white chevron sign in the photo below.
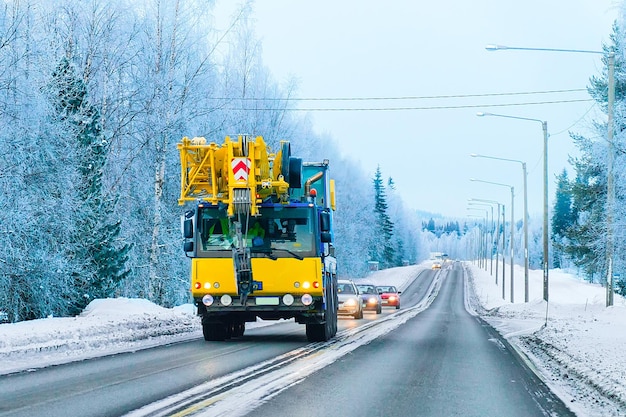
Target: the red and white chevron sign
pixel 241 168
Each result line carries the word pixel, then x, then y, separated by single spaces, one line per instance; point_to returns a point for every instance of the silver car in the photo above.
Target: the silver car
pixel 349 299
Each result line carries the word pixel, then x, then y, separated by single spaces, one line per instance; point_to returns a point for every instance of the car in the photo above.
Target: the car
pixel 436 265
pixel 349 300
pixel 370 297
pixel 389 295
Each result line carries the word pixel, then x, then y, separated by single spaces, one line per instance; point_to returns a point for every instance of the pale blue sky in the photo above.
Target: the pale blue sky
pixel 365 48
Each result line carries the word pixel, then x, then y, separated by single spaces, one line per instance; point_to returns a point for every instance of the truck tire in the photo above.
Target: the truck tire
pixel 239 328
pixel 284 160
pixel 322 332
pixel 295 173
pixel 319 332
pixel 213 331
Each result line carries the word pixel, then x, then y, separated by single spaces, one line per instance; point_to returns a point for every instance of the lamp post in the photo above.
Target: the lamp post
pixel 478 251
pixel 524 172
pixel 491 229
pixel 483 240
pixel 544 126
pixel 512 229
pixel 497 234
pixel 610 194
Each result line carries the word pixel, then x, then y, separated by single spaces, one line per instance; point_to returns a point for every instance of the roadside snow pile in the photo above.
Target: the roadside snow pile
pixel 579 349
pixel 398 277
pixel 117 325
pixel 105 327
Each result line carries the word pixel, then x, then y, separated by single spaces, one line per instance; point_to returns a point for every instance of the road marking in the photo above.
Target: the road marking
pixel 238 393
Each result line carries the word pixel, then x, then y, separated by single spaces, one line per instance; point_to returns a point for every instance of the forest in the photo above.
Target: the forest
pixel 94 97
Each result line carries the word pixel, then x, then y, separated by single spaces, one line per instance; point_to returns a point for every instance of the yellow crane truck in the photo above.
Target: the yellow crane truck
pixel 259 235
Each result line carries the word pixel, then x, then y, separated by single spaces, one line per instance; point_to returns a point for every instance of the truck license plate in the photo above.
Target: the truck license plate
pixel 267 301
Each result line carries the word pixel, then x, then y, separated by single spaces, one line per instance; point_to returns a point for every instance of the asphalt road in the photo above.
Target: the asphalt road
pixel 115 385
pixel 442 362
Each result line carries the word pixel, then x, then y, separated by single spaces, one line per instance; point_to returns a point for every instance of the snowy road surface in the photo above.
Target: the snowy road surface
pixel 579 353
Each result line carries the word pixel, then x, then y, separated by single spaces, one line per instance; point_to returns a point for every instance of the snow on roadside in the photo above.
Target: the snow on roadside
pixel 113 326
pixel 578 349
pixel 105 327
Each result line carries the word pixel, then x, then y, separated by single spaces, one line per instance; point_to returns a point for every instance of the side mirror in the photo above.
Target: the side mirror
pixel 325 221
pixel 188 229
pixel 326 237
pixel 188 247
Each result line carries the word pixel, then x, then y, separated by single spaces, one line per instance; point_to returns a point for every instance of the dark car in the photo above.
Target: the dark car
pixel 349 301
pixel 370 297
pixel 389 295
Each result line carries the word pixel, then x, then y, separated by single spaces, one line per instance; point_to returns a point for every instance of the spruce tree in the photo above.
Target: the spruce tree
pixel 382 249
pixel 586 239
pixel 98 258
pixel 562 217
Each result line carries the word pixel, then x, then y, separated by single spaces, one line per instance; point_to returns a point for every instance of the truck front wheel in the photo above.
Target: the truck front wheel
pixel 214 331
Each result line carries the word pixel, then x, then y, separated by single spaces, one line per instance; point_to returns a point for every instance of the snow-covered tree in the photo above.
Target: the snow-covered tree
pixel 586 239
pixel 382 249
pixel 99 259
pixel 562 218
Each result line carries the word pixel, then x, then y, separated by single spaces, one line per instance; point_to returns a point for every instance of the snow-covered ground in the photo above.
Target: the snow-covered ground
pixel 579 352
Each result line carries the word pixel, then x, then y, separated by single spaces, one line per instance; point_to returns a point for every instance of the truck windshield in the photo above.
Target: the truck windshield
pixel 282 231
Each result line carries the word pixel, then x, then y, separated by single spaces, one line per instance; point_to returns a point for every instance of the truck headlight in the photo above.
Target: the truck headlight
pixel 207 300
pixel 307 300
pixel 226 299
pixel 288 299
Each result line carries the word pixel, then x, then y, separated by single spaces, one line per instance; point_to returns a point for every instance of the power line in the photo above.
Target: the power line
pixel 576 90
pixel 466 106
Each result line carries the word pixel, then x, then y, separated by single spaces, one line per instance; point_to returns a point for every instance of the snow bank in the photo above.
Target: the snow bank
pixel 105 327
pixel 574 341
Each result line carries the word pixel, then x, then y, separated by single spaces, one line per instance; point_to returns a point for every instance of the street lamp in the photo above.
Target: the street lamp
pixel 497 234
pixel 544 126
pixel 484 238
pixel 479 249
pixel 512 229
pixel 491 228
pixel 609 165
pixel 525 216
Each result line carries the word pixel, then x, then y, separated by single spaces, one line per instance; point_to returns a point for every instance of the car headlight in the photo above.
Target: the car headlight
pixel 372 300
pixel 350 302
